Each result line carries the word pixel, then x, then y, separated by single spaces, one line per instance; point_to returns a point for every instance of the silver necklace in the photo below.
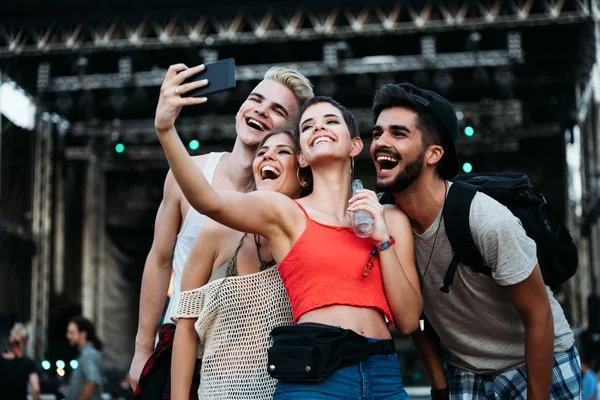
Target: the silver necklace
pixel 422 278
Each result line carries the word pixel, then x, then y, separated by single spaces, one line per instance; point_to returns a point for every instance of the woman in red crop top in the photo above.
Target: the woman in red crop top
pixel 333 277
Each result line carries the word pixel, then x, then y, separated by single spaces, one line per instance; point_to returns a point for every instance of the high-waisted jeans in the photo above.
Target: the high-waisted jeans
pixel 374 379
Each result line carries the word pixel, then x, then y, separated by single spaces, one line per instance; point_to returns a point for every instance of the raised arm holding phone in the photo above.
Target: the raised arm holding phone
pixel 274 102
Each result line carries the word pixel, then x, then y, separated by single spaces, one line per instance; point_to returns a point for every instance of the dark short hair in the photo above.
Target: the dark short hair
pixel 432 129
pixel 347 114
pixel 85 325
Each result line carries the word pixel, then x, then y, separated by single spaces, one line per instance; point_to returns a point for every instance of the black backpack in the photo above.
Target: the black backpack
pixel 556 251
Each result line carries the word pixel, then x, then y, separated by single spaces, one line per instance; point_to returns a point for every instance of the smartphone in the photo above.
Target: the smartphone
pixel 220 75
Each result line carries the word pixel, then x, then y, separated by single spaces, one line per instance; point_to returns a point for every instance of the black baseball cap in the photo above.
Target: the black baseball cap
pixel 446 114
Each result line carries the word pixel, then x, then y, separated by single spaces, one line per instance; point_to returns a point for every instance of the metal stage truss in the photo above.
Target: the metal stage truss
pixel 374 64
pixel 93 273
pixel 245 27
pixel 42 233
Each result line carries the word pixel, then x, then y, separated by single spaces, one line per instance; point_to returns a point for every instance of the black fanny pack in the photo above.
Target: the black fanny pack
pixel 310 352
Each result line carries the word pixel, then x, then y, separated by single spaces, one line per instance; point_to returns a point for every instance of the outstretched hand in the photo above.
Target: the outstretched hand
pixel 366 200
pixel 170 101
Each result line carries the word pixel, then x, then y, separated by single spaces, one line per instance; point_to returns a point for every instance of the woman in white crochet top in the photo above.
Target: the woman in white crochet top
pixel 230 300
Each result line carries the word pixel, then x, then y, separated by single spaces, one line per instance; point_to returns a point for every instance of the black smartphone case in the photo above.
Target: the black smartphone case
pixel 220 75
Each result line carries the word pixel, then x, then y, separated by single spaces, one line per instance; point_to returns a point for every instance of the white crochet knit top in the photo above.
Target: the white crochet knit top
pixel 235 317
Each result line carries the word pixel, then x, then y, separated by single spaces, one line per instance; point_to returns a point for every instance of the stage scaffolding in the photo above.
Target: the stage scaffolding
pixel 94 273
pixel 582 138
pixel 42 232
pixel 193 27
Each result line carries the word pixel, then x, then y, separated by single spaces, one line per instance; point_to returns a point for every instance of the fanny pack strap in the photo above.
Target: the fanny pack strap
pixel 380 347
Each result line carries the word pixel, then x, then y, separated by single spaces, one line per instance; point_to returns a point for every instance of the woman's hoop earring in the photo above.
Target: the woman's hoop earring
pixel 351 168
pixel 304 181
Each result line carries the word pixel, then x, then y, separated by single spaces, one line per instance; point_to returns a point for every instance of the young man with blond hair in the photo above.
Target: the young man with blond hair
pixel 273 103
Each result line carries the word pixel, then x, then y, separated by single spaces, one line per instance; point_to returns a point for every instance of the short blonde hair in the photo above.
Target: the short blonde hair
pixel 18 331
pixel 293 80
pixel 18 335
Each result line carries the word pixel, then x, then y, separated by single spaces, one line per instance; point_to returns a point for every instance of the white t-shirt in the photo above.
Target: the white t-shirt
pixel 478 325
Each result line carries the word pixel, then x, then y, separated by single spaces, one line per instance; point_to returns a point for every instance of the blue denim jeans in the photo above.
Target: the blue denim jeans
pixel 374 379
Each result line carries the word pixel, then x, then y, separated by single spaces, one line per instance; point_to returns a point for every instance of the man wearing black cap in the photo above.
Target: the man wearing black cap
pixel 502 336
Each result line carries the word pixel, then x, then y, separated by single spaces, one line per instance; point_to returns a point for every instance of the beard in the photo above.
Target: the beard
pixel 405 178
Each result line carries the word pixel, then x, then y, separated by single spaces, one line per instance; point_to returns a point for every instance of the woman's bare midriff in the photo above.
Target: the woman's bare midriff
pixel 365 321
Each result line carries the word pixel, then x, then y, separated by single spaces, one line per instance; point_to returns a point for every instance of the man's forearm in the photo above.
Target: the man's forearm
pixel 428 346
pixel 88 390
pixel 155 284
pixel 539 354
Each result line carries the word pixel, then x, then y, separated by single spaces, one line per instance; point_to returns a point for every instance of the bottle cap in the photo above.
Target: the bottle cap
pixel 356 186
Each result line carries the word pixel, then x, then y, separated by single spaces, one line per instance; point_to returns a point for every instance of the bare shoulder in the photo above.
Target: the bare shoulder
pixel 277 206
pixel 214 231
pixel 394 213
pixel 396 219
pixel 201 160
pixel 215 242
pixel 286 205
pixel 171 188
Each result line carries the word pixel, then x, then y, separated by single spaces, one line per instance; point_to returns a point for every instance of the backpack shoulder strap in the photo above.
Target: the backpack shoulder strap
pixel 456 221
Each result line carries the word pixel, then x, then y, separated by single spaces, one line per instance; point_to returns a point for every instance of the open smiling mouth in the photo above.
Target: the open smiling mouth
pixel 252 123
pixel 322 139
pixel 269 173
pixel 387 162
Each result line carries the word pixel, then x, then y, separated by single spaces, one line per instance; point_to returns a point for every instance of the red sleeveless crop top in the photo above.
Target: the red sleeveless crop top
pixel 325 267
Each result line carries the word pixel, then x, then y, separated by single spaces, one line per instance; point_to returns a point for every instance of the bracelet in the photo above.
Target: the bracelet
pixel 440 394
pixel 376 249
pixel 386 245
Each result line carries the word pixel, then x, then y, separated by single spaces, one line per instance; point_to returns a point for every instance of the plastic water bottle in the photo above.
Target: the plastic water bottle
pixel 362 221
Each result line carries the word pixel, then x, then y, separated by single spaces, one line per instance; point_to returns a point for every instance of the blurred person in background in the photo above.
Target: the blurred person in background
pixel 589 382
pixel 274 102
pixel 598 385
pixel 86 380
pixel 16 370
